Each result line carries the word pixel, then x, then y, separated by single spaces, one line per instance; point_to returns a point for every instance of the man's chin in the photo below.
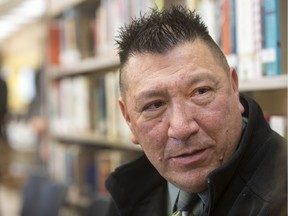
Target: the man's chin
pixel 193 184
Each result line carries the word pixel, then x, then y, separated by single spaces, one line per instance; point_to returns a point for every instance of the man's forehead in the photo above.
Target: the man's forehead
pixel 149 88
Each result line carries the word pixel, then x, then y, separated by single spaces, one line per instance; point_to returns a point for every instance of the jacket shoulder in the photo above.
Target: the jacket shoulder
pixel 269 179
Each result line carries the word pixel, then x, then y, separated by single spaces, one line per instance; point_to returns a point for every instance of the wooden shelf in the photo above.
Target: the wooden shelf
pixel 265 83
pixel 96 141
pixel 90 65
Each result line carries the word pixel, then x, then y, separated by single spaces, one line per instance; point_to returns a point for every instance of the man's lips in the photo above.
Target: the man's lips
pixel 190 158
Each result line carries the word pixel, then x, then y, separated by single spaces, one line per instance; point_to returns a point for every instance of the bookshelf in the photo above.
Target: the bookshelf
pixel 86 66
pixel 264 84
pixel 95 141
pixel 75 117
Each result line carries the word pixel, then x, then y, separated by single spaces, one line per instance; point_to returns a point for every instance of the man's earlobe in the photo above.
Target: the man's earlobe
pixel 241 107
pixel 134 139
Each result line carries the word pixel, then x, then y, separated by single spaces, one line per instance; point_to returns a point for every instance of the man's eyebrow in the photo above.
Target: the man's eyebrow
pixel 196 78
pixel 146 95
pixel 150 94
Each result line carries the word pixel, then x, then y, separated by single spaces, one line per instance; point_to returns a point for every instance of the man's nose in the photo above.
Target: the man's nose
pixel 182 123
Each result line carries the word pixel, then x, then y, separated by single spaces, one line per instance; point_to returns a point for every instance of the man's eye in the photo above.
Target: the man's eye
pixel 203 95
pixel 201 91
pixel 153 106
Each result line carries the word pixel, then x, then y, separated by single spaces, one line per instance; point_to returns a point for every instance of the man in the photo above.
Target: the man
pixel 200 138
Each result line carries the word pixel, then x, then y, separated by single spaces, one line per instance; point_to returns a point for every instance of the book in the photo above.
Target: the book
pixel 69 52
pixel 232 16
pixel 64 120
pixel 70 105
pixel 85 31
pixel 192 4
pixel 257 30
pixel 111 86
pixel 226 38
pixel 123 12
pixel 80 104
pixel 54 44
pixel 271 53
pixel 245 33
pixel 98 105
pixel 210 11
pixel 72 36
pixel 106 25
pixel 74 166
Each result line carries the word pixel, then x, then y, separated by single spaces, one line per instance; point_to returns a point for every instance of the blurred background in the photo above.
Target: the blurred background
pixel 61 132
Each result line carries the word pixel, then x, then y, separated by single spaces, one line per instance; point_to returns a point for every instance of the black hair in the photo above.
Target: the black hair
pixel 160 31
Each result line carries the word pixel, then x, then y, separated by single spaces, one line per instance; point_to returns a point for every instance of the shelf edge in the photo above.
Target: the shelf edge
pixel 265 83
pixel 86 66
pixel 95 140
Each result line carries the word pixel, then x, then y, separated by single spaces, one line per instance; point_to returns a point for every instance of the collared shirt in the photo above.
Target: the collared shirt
pixel 173 193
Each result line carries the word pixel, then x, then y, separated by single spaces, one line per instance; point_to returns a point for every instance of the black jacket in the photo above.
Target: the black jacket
pixel 253 182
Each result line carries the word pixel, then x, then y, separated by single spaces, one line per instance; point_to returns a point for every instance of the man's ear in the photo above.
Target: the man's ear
pixel 235 85
pixel 127 119
pixel 234 80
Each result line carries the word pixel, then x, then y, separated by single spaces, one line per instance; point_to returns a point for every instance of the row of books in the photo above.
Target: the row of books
pixel 108 26
pixel 85 169
pixel 247 30
pixel 88 103
pixel 249 36
pixel 83 32
pixel 72 36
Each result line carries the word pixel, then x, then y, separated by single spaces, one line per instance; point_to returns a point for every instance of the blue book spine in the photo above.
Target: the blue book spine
pixel 271 36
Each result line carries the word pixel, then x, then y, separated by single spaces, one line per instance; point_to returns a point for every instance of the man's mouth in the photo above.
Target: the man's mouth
pixel 190 158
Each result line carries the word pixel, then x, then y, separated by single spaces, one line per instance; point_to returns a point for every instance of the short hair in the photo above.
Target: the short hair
pixel 160 31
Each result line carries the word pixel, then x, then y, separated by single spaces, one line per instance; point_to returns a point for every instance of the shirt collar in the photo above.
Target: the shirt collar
pixel 173 192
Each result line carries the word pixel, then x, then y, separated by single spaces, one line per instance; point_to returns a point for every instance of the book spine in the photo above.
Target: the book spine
pixel 54 44
pixel 245 39
pixel 226 28
pixel 271 53
pixel 257 27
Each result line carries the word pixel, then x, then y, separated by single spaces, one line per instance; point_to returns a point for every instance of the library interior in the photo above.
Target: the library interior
pixel 61 129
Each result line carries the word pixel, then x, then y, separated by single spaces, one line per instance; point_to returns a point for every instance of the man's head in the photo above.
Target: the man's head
pixel 179 97
pixel 160 31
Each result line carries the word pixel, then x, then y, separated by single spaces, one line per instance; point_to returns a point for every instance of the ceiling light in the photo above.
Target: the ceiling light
pixel 26 12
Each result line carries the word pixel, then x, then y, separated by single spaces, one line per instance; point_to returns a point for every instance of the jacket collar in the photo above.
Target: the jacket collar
pixel 220 178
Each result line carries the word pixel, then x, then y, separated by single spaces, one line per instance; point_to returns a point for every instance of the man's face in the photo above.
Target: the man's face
pixel 184 111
